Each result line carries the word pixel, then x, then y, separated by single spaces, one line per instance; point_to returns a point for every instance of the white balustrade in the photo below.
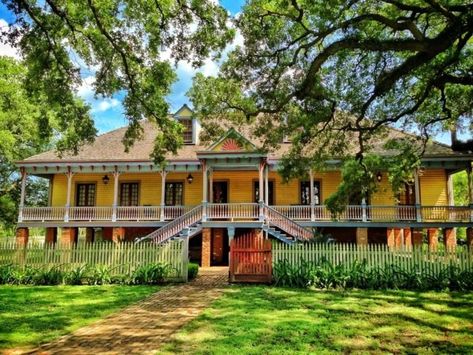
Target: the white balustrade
pixel 232 211
pixel 250 211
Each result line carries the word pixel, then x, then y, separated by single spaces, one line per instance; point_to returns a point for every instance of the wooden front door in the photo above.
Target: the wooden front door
pixel 219 247
pixel 220 192
pixel 250 259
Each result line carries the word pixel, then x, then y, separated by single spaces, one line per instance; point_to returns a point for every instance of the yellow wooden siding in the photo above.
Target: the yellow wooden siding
pixel 240 188
pixel 384 196
pixel 433 187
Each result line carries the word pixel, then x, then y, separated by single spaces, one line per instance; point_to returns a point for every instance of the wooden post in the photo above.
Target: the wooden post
pixel 231 235
pixel 163 193
pixel 116 174
pixel 417 195
pixel 22 195
pixel 312 202
pixel 69 176
pixel 407 234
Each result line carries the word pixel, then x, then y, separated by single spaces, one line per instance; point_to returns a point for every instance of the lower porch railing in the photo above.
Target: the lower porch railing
pixel 250 212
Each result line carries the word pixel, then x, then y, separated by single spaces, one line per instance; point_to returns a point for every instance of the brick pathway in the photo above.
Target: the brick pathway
pixel 142 327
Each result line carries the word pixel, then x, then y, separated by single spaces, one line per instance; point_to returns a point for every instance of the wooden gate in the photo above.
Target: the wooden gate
pixel 250 259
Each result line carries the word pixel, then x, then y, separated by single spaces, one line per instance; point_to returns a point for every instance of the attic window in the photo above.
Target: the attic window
pixel 187 133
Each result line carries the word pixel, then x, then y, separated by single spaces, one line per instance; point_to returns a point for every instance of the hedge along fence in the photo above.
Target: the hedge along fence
pixel 374 255
pixel 120 258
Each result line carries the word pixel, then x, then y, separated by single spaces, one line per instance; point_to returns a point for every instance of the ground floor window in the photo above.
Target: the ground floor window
pixel 174 193
pixel 305 193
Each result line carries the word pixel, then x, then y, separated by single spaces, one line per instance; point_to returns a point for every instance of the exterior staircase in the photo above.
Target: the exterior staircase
pixel 189 221
pixel 277 219
pixel 278 234
pixel 190 224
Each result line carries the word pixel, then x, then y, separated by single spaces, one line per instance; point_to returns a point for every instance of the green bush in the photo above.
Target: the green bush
pixel 99 275
pixel 150 274
pixel 47 276
pixel 77 275
pixel 324 274
pixel 192 270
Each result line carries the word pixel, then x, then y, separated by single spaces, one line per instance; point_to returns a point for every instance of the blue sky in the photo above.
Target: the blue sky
pixel 108 112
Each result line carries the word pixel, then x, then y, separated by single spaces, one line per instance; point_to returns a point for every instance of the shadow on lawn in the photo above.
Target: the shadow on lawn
pixel 266 319
pixel 30 315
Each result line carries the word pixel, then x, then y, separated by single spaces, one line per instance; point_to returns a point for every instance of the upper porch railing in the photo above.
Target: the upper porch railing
pixel 250 212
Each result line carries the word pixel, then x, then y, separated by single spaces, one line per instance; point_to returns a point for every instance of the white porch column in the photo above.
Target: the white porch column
pixel 417 195
pixel 163 193
pixel 266 184
pixel 261 189
pixel 69 176
pixel 116 174
pixel 364 216
pixel 312 202
pixel 211 184
pixel 22 195
pixel 205 184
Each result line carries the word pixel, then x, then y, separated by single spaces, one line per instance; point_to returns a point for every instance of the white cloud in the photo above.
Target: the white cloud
pixel 5 48
pixel 106 104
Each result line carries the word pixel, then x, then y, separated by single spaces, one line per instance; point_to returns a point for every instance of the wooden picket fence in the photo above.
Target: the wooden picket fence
pixel 120 258
pixel 374 255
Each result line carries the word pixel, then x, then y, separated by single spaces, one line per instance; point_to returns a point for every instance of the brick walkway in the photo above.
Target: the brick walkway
pixel 142 327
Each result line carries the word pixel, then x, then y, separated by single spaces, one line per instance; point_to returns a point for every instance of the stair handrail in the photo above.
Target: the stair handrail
pixel 286 224
pixel 174 227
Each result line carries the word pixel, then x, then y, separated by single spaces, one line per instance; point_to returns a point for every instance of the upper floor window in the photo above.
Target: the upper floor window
pixel 174 192
pixel 129 194
pixel 188 133
pixel 305 192
pixel 85 195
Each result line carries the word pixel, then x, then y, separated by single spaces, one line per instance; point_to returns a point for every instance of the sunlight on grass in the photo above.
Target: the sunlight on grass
pixel 259 319
pixel 30 315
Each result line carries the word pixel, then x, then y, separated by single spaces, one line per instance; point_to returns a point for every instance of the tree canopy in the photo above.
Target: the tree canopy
pixel 126 43
pixel 21 135
pixel 331 76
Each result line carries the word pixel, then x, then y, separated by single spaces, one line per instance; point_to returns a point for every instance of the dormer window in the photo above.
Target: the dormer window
pixel 187 133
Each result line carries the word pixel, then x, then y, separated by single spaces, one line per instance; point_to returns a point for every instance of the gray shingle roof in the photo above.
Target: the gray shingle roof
pixel 108 147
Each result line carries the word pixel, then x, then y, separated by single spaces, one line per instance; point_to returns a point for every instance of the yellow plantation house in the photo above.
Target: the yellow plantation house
pixel 213 193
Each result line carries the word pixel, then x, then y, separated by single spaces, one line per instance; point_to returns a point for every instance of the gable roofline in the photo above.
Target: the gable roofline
pixel 227 134
pixel 182 108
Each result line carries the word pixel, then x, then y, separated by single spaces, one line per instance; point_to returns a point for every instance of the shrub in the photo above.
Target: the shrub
pixel 48 276
pixel 192 270
pixel 99 275
pixel 324 274
pixel 77 275
pixel 151 274
pixel 6 274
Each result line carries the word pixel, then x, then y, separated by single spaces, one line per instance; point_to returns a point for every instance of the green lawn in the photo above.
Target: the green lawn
pixel 33 314
pixel 262 320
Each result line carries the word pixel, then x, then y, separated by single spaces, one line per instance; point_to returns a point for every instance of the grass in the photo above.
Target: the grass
pixel 267 320
pixel 30 315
